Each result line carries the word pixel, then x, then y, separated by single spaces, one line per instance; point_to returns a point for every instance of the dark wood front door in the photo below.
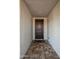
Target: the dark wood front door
pixel 39 29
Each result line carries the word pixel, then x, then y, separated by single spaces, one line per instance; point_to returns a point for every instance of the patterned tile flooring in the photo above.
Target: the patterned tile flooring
pixel 41 50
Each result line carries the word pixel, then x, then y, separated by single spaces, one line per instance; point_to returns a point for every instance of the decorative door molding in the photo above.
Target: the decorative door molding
pixel 45 27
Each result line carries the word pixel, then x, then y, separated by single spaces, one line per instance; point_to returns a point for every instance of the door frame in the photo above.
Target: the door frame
pixel 45 27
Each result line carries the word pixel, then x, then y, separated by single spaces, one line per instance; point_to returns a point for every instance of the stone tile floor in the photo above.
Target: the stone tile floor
pixel 41 50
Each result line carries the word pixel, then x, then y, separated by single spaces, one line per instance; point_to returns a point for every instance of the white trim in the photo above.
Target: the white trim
pixel 45 27
pixel 33 29
pixel 39 17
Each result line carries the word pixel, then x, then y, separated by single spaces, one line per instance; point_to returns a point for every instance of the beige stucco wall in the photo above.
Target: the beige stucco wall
pixel 25 28
pixel 54 28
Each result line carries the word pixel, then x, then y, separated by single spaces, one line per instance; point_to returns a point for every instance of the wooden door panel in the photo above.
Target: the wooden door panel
pixel 39 29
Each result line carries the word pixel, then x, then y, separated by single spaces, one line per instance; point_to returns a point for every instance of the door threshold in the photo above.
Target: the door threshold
pixel 39 39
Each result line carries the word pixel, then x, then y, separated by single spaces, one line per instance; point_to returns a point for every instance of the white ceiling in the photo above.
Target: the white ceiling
pixel 40 7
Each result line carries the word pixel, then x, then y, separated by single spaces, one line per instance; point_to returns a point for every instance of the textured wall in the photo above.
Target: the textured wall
pixel 54 28
pixel 25 28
